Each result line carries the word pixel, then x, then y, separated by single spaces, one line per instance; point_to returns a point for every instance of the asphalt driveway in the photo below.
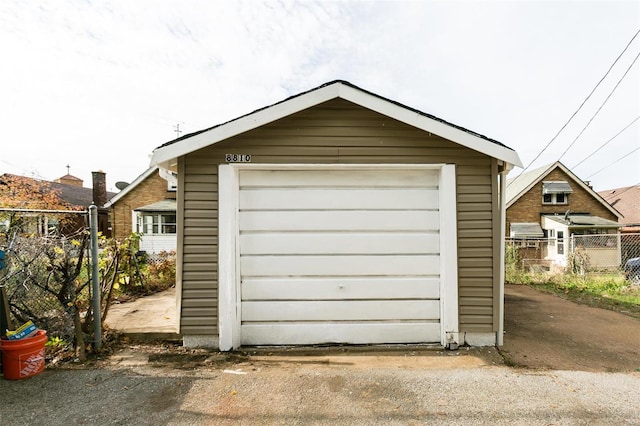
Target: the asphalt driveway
pixel 403 387
pixel 543 330
pixel 168 384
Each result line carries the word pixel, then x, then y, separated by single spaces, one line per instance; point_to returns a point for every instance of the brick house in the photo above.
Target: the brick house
pixel 147 206
pixel 547 206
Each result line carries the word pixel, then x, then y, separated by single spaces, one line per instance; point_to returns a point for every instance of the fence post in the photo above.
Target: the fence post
pixel 95 282
pixel 572 244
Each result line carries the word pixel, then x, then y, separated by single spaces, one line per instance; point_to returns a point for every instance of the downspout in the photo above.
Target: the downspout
pixel 503 170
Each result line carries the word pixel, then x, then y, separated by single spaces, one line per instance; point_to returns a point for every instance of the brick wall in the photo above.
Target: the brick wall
pixel 150 190
pixel 529 207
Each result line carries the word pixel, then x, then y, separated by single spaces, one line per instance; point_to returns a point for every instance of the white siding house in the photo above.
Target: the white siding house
pixel 157 224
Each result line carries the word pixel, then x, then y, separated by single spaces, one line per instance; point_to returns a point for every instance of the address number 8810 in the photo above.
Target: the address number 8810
pixel 238 158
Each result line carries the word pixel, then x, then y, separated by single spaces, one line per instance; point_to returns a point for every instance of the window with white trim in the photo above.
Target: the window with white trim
pixel 156 223
pixel 555 192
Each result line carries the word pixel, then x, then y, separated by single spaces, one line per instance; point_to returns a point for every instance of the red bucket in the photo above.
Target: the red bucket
pixel 23 358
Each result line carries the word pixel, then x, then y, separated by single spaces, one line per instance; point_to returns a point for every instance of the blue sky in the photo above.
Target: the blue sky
pixel 99 84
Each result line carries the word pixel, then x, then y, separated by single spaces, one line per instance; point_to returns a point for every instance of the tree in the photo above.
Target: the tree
pixel 23 193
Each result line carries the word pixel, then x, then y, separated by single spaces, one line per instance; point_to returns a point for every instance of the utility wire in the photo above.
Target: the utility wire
pixel 602 105
pixel 619 159
pixel 606 143
pixel 578 110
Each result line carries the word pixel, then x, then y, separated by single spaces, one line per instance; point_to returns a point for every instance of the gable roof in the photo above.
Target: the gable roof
pixel 68 177
pixel 627 201
pixel 165 155
pixel 168 205
pixel 521 184
pixel 77 196
pixel 130 187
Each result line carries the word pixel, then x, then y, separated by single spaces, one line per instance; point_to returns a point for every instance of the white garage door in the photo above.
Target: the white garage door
pixel 339 256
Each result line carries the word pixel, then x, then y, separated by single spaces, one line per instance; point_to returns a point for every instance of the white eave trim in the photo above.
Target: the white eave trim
pixel 130 187
pixel 165 156
pixel 574 178
pixel 429 124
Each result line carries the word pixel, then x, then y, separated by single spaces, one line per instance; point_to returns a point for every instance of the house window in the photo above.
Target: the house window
pixel 555 192
pixel 559 198
pixel 560 242
pixel 157 223
pixel 552 237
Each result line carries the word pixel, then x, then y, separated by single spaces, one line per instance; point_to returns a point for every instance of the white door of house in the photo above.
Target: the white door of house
pixel 346 255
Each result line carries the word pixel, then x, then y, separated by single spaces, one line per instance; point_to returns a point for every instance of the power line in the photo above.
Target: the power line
pixel 602 105
pixel 579 108
pixel 619 159
pixel 33 173
pixel 606 143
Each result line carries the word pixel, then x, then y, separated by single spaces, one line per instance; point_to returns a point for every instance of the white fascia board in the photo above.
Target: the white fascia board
pixel 573 177
pixel 531 184
pixel 249 122
pixel 428 124
pixel 130 187
pixel 164 156
pixel 590 190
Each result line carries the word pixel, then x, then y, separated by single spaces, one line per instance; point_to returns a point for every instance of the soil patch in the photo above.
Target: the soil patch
pixel 545 331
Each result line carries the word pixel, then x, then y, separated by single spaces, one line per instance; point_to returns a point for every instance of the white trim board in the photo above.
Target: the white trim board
pixel 131 186
pixel 165 156
pixel 535 176
pixel 229 275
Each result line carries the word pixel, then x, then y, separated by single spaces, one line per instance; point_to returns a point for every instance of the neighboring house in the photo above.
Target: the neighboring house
pixel 338 216
pixel 549 205
pixel 70 190
pixel 147 206
pixel 627 201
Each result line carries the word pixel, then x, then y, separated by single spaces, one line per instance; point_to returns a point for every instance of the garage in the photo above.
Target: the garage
pixel 337 216
pixel 338 254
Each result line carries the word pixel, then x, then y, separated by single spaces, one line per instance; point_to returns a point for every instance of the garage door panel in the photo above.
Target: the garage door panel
pixel 339 178
pixel 341 255
pixel 340 243
pixel 339 265
pixel 336 220
pixel 340 288
pixel 326 199
pixel 317 333
pixel 340 310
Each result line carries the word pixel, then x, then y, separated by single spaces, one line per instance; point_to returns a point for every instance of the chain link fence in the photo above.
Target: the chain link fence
pixel 32 291
pixel 590 253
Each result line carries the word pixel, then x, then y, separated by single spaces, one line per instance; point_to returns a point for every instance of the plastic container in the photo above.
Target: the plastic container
pixel 23 358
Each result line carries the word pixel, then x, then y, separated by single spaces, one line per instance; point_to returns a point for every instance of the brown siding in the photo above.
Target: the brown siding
pixel 339 132
pixel 150 190
pixel 529 207
pixel 199 247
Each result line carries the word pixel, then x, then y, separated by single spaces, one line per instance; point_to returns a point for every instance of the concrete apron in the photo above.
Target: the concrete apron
pixel 147 318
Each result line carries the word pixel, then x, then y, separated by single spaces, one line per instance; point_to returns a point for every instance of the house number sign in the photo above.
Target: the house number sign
pixel 238 158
